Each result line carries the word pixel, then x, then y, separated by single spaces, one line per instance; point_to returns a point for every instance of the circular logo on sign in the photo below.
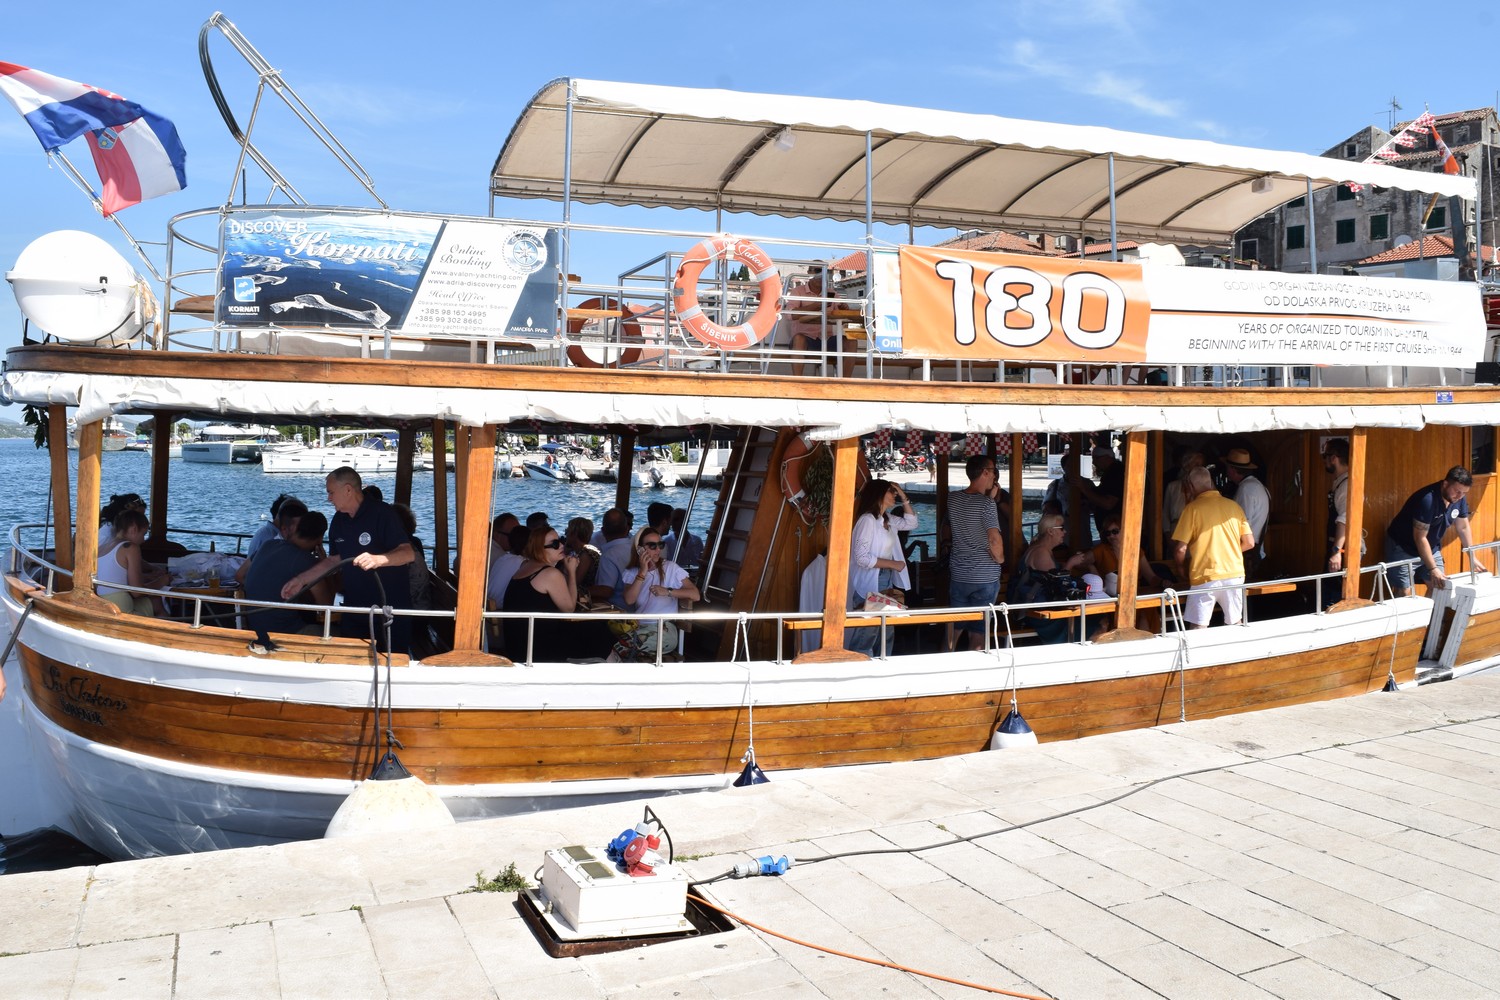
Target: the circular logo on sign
pixel 525 252
pixel 364 538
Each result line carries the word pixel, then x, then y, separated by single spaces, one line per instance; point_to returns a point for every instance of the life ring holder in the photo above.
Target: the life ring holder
pixel 762 271
pixel 629 329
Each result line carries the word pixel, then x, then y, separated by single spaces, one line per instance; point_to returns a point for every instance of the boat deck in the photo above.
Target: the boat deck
pixel 1256 855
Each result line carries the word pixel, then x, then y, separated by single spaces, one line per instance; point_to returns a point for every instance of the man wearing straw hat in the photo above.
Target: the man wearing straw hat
pixel 1255 500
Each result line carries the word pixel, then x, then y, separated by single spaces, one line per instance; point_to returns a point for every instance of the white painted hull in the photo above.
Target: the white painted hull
pixel 209 452
pixel 325 460
pixel 655 476
pixel 554 474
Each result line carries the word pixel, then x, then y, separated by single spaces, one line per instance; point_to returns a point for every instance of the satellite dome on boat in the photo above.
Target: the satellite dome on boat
pixel 77 288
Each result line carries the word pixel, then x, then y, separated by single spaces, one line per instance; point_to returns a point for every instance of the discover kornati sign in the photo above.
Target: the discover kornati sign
pixel 956 304
pixel 414 275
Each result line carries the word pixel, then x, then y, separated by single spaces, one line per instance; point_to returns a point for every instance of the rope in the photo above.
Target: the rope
pixel 742 629
pixel 862 958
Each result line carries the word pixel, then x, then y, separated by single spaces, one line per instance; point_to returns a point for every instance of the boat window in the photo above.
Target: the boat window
pixel 1482 450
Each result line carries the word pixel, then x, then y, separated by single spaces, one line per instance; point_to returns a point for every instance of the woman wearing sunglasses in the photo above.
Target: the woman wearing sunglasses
pixel 654 585
pixel 547 581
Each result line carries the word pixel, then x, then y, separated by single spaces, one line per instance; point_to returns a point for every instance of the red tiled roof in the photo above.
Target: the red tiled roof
pixel 1090 249
pixel 1427 247
pixel 854 262
pixel 1452 117
pixel 998 241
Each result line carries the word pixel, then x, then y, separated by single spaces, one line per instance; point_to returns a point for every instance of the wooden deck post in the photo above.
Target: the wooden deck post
pixel 406 451
pixel 440 561
pixel 840 535
pixel 627 470
pixel 461 443
pixel 474 538
pixel 62 490
pixel 1132 509
pixel 940 513
pixel 86 552
pixel 1014 542
pixel 161 466
pixel 1156 489
pixel 1356 513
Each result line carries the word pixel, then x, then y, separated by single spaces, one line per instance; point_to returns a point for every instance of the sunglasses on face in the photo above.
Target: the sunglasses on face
pixel 651 545
pixel 1113 531
pixel 556 543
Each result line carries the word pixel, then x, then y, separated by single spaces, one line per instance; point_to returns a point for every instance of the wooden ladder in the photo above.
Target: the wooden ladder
pixel 746 478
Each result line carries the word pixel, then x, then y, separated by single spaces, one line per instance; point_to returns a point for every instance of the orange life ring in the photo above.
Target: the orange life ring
pixel 629 330
pixel 762 270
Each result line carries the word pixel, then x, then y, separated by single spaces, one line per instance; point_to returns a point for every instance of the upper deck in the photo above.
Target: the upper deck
pixel 449 310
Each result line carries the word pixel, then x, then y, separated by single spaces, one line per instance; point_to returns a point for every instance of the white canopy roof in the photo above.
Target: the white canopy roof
pixel 646 145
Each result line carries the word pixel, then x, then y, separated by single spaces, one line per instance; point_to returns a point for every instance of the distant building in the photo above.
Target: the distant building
pixel 1350 227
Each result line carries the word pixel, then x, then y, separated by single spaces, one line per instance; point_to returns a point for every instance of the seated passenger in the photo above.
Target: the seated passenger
pixel 614 556
pixel 576 542
pixel 546 581
pixel 1106 557
pixel 121 563
pixel 1036 565
pixel 690 553
pixel 118 504
pixel 289 511
pixel 653 586
pixel 272 528
pixel 280 560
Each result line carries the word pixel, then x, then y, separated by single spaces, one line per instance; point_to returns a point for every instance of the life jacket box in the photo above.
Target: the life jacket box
pixel 584 895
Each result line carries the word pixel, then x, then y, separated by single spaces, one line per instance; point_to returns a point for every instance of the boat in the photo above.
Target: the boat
pixel 224 444
pixel 115 436
pixel 334 452
pixel 172 736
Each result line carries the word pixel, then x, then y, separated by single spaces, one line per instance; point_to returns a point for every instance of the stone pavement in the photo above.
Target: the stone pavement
pixel 1346 849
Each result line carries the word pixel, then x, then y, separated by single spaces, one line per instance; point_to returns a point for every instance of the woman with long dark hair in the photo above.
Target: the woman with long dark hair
pixel 876 559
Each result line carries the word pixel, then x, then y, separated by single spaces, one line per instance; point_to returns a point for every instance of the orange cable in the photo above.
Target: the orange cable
pixel 863 958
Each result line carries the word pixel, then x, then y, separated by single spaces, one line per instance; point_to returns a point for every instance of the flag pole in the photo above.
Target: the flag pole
pixel 83 185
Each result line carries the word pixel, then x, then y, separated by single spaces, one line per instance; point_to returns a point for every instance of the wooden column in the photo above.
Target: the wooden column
pixel 940 530
pixel 627 470
pixel 1156 488
pixel 1355 522
pixel 461 443
pixel 62 490
pixel 406 451
pixel 1078 518
pixel 86 553
pixel 1016 528
pixel 161 465
pixel 1130 526
pixel 840 536
pixel 440 500
pixel 474 538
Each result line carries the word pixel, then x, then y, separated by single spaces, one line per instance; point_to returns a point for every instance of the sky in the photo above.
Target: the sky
pixel 424 94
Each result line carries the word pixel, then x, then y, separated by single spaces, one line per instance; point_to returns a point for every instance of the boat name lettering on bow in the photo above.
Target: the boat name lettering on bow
pixel 76 689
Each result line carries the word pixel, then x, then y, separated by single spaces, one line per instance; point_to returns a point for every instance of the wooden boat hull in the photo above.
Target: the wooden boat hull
pixel 227 750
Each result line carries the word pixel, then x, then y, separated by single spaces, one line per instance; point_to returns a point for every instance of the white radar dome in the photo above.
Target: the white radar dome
pixel 77 288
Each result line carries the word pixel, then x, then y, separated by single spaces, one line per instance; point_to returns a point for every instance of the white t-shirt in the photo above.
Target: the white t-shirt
pixel 669 575
pixel 502 571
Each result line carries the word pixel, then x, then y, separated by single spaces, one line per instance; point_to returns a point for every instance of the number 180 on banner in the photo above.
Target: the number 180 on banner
pixel 1014 307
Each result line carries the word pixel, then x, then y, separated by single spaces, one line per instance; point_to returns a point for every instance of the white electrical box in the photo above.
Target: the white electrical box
pixel 584 895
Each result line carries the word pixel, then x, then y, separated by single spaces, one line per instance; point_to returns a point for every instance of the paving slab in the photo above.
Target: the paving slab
pixel 1332 850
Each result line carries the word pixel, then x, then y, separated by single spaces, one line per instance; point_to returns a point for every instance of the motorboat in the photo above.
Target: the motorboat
pixel 172 736
pixel 334 453
pixel 224 444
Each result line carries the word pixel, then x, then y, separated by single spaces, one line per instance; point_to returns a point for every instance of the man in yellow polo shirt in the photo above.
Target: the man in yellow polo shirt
pixel 1215 531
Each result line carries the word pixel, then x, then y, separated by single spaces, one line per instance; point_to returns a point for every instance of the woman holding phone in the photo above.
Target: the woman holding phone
pixel 654 585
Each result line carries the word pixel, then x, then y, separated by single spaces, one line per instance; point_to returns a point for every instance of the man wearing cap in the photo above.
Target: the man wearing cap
pixel 1104 499
pixel 1418 530
pixel 1255 500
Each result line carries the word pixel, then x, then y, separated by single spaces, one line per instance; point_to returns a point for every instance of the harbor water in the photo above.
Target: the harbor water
pixel 226 498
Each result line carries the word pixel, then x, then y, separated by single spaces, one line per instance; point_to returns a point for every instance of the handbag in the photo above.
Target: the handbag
pixel 877 601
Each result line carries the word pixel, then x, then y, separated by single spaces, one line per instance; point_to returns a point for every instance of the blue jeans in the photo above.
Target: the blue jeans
pixel 972 595
pixel 866 638
pixel 1400 577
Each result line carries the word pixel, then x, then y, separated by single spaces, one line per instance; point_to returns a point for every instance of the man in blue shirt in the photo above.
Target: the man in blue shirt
pixel 278 561
pixel 370 534
pixel 1418 530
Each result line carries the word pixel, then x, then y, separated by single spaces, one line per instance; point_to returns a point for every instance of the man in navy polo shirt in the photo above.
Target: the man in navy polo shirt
pixel 369 533
pixel 1417 532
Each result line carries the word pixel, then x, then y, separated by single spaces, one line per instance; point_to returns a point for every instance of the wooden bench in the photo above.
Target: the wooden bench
pixel 1110 606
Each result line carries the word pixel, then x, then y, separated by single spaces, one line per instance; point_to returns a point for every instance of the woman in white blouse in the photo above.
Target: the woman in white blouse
pixel 876 559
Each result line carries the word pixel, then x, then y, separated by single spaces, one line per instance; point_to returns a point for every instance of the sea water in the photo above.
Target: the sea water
pixel 225 498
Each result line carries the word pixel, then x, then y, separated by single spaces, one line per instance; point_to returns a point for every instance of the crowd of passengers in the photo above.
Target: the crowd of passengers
pixel 1213 532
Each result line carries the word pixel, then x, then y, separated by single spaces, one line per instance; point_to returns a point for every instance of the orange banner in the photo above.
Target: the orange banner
pixel 957 304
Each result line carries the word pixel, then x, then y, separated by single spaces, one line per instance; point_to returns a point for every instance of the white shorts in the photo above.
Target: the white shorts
pixel 1199 608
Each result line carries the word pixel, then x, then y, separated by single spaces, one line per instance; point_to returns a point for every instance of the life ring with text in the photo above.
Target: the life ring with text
pixel 579 354
pixel 762 271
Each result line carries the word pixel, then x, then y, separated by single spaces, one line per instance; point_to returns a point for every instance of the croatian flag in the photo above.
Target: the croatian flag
pixel 137 153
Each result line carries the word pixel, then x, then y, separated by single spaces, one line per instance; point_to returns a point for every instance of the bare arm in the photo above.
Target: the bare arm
pixel 399 556
pixel 1247 541
pixel 562 586
pixel 304 579
pixel 997 546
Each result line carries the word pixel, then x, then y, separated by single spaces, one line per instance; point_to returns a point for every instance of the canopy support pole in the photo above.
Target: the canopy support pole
pixel 840 537
pixel 86 554
pixel 1312 232
pixel 1355 514
pixel 440 499
pixel 627 469
pixel 1114 233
